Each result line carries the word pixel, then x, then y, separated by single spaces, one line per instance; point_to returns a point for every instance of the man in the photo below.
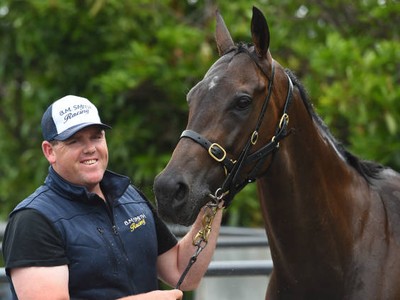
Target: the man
pixel 87 233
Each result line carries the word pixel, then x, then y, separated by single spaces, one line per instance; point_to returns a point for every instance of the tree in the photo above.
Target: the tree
pixel 137 60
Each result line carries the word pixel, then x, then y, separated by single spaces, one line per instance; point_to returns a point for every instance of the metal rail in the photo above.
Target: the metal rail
pixel 239 268
pixel 3 276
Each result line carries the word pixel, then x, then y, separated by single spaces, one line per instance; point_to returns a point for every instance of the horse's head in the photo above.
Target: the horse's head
pixel 228 136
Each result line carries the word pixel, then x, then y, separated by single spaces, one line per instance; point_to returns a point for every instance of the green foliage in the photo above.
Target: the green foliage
pixel 137 60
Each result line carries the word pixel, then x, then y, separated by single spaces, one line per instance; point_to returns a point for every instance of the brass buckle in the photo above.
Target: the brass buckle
pixel 285 118
pixel 213 155
pixel 254 137
pixel 273 141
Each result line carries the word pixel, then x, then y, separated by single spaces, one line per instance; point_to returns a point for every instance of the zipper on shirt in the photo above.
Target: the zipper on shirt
pixel 111 253
pixel 110 210
pixel 115 229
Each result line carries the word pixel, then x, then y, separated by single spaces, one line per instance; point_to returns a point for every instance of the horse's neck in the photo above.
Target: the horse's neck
pixel 308 196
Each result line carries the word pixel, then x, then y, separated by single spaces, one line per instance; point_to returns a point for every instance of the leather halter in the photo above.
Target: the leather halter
pixel 233 183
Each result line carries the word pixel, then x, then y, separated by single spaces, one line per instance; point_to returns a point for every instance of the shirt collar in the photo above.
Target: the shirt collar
pixel 113 186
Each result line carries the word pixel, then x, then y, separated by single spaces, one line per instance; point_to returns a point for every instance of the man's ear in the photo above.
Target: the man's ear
pixel 48 152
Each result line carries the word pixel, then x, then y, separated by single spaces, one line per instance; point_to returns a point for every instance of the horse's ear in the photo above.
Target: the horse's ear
pixel 259 32
pixel 222 35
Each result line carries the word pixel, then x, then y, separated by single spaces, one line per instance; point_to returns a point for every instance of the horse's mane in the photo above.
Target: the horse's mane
pixel 367 169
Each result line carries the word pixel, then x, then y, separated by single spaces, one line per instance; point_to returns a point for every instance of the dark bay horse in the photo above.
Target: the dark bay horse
pixel 332 220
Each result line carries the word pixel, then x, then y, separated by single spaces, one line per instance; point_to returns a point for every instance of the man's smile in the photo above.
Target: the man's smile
pixel 89 162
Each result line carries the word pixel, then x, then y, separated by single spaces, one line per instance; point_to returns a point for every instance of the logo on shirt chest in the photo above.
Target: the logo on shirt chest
pixel 135 222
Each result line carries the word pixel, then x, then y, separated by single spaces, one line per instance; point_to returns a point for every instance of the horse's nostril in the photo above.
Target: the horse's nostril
pixel 171 192
pixel 180 192
pixel 180 195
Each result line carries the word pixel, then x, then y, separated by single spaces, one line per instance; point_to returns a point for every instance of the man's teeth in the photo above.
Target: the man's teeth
pixel 89 162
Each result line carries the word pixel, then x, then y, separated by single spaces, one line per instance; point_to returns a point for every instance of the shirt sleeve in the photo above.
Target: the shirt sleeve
pixel 30 239
pixel 165 238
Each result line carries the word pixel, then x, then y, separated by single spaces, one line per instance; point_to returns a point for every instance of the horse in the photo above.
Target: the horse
pixel 331 218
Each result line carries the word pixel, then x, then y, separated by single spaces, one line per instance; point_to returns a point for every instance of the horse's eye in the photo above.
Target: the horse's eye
pixel 243 102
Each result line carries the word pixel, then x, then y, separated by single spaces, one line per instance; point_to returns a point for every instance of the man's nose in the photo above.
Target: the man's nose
pixel 89 147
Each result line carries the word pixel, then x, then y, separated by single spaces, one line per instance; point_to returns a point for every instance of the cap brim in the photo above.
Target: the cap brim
pixel 74 129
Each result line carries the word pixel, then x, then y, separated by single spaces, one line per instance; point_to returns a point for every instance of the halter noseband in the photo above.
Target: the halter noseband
pixel 232 184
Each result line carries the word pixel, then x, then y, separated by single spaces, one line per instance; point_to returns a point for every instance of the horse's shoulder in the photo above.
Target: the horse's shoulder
pixel 387 184
pixel 387 180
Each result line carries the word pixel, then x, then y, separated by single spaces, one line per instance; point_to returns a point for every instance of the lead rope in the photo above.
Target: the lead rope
pixel 200 241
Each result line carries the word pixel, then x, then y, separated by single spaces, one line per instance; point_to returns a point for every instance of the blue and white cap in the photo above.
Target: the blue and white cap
pixel 68 115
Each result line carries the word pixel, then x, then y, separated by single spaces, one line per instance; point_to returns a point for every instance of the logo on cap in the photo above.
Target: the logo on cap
pixel 68 115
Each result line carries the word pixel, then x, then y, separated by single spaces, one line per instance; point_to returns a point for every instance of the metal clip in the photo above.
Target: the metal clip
pixel 217 197
pixel 201 238
pixel 200 241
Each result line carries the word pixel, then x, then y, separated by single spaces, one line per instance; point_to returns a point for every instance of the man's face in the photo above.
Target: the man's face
pixel 81 159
